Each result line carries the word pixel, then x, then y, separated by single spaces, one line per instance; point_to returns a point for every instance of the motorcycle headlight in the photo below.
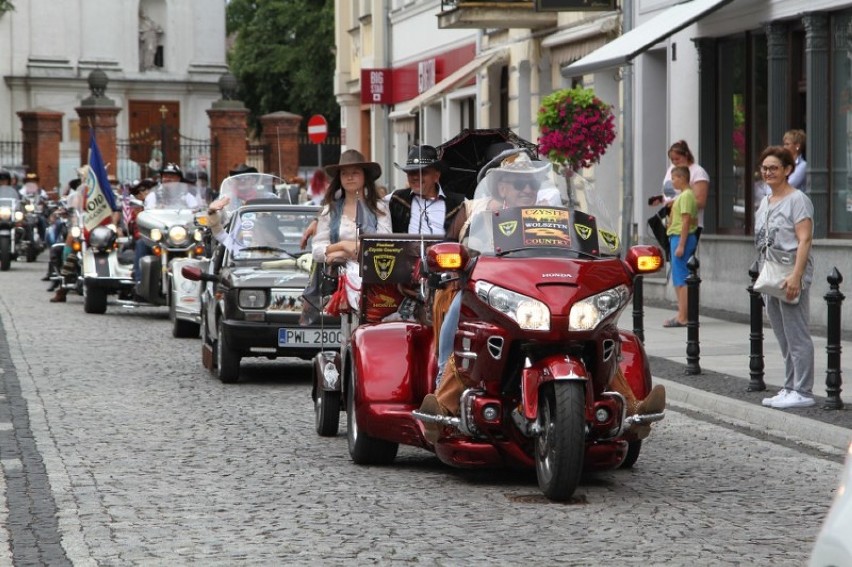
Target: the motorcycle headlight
pixel 102 237
pixel 5 213
pixel 156 234
pixel 75 232
pixel 587 313
pixel 19 215
pixel 178 235
pixel 529 313
pixel 252 298
pixel 29 207
pixel 197 236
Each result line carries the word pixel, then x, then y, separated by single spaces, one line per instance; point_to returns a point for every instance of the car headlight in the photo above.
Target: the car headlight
pixel 102 237
pixel 252 298
pixel 587 313
pixel 529 313
pixel 19 215
pixel 5 213
pixel 178 235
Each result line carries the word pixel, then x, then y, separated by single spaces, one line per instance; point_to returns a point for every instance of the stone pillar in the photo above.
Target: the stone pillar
pixel 281 143
pixel 41 131
pixel 707 119
pixel 228 128
pixel 777 81
pixel 98 112
pixel 817 116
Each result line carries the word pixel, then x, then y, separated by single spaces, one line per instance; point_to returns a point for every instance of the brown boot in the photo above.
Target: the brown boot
pixel 451 388
pixel 654 402
pixel 59 297
pixel 430 405
pixel 620 385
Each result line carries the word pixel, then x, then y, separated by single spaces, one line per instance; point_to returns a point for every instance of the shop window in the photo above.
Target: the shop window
pixel 741 131
pixel 840 206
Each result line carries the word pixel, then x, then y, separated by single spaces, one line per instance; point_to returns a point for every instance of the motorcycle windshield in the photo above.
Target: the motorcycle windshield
pixel 8 193
pixel 176 197
pixel 247 187
pixel 523 207
pixel 270 234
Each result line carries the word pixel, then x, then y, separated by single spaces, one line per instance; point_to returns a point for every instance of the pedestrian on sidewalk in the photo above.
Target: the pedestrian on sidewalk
pixel 784 221
pixel 683 239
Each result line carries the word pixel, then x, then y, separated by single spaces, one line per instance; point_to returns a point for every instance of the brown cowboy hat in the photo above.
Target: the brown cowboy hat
pixel 354 158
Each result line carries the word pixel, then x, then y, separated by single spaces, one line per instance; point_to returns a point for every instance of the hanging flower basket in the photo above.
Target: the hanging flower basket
pixel 576 128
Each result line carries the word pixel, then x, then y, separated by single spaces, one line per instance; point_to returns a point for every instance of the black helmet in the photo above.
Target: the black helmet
pixel 172 168
pixel 190 177
pixel 5 175
pixel 242 168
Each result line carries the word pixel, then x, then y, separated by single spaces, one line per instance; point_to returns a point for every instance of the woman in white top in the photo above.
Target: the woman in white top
pixel 699 181
pixel 351 204
pixel 794 142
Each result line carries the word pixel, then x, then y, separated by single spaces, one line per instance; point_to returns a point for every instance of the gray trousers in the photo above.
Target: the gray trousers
pixel 790 324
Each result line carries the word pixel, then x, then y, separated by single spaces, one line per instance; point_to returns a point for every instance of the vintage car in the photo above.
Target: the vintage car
pixel 251 302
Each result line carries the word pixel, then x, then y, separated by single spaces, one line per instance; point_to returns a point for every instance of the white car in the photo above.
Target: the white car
pixel 834 543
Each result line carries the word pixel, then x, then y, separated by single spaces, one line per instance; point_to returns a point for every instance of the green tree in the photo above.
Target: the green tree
pixel 283 57
pixel 6 6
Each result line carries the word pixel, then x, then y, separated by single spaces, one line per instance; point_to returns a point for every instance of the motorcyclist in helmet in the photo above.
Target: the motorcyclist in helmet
pixel 169 174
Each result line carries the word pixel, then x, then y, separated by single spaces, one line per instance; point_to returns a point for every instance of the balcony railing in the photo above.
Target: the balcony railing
pixel 482 14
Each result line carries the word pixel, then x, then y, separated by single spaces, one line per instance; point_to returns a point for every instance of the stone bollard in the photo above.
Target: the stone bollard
pixel 638 307
pixel 755 337
pixel 833 375
pixel 693 284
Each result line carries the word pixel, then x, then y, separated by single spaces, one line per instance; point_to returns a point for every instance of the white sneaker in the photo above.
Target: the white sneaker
pixel 794 400
pixel 769 402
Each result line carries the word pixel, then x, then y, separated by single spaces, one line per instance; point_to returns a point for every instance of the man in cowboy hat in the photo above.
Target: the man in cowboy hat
pixel 423 207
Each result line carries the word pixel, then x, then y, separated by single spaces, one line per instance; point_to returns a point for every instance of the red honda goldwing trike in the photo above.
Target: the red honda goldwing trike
pixel 537 345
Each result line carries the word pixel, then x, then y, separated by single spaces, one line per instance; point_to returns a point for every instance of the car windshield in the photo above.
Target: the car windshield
pixel 176 196
pixel 525 208
pixel 270 234
pixel 248 186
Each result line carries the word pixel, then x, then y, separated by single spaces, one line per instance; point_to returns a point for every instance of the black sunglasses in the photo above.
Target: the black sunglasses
pixel 521 184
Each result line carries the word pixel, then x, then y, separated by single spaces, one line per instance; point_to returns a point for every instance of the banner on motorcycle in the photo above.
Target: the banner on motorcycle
pixel 98 197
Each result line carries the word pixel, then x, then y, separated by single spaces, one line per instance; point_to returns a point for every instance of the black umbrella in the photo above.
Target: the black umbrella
pixel 465 155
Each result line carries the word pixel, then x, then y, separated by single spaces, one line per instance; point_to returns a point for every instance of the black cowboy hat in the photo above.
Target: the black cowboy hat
pixel 172 168
pixel 141 185
pixel 354 158
pixel 420 158
pixel 242 168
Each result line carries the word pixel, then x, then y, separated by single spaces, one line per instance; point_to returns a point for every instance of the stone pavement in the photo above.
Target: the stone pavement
pixel 720 390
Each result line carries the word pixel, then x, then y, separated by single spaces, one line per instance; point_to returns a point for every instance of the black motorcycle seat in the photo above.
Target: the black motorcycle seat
pixel 126 257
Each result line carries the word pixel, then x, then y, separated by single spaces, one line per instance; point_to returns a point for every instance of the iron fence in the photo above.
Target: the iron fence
pixel 140 157
pixel 310 154
pixel 12 156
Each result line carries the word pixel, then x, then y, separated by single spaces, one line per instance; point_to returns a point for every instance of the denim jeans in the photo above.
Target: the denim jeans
pixel 447 335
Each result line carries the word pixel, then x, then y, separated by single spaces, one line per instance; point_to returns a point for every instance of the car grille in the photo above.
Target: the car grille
pixel 285 301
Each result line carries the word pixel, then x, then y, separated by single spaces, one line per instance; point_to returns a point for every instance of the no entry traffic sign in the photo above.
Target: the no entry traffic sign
pixel 317 129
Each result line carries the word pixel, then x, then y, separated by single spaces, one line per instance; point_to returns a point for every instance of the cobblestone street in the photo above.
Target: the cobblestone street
pixel 119 448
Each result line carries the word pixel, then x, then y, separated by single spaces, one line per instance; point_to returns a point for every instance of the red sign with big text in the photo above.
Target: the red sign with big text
pixel 376 86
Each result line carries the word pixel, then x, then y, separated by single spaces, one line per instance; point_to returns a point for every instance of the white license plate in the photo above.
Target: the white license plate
pixel 308 337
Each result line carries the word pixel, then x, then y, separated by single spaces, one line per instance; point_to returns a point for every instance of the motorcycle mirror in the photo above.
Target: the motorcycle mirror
pixel 644 259
pixel 446 256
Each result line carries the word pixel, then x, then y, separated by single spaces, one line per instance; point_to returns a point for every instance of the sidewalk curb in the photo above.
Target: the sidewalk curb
pixel 774 422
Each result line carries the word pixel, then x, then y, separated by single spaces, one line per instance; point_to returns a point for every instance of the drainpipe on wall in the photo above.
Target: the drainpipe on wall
pixel 627 234
pixel 385 109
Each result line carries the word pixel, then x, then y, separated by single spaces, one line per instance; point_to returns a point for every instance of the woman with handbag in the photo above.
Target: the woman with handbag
pixel 351 205
pixel 784 223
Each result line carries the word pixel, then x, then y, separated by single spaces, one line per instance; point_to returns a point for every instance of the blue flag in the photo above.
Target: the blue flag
pixel 98 199
pixel 96 163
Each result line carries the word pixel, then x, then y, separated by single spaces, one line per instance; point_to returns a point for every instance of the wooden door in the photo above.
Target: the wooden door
pixel 154 124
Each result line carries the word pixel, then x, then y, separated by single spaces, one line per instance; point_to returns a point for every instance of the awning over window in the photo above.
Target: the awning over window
pixel 643 37
pixel 448 83
pixel 572 43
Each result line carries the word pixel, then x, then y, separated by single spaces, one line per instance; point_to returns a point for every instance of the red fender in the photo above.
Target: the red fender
pixel 549 369
pixel 634 364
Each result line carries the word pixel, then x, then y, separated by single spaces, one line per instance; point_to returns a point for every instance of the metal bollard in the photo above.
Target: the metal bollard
pixel 755 337
pixel 638 307
pixel 693 284
pixel 833 375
